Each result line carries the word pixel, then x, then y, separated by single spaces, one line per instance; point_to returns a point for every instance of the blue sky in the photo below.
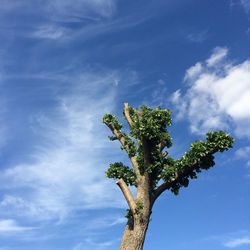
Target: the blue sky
pixel 64 64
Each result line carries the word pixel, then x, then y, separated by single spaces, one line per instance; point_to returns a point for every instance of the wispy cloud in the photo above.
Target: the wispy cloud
pixel 80 8
pixel 217 97
pixel 243 3
pixel 237 242
pixel 108 221
pixel 100 245
pixel 10 5
pixel 49 32
pixel 93 233
pixel 8 226
pixel 65 172
pixel 198 37
pixel 193 71
pixel 79 246
pixel 217 56
pixel 231 240
pixel 90 244
pixel 92 18
pixel 70 10
pixel 243 152
pixel 246 4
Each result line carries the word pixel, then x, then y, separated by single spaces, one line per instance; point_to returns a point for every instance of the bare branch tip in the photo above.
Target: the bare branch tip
pixel 119 181
pixel 165 154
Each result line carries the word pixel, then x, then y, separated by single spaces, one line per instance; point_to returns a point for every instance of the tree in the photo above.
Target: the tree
pixel 145 146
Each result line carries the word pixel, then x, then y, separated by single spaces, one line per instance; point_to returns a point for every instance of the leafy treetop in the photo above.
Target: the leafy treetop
pixel 145 143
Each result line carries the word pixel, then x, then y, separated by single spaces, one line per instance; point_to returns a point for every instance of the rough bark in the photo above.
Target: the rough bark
pixel 134 234
pixel 136 228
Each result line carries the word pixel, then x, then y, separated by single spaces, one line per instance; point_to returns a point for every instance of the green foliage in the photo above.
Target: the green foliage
pixel 129 214
pixel 111 120
pixel 130 144
pixel 118 171
pixel 149 128
pixel 200 156
pixel 151 125
pixel 139 205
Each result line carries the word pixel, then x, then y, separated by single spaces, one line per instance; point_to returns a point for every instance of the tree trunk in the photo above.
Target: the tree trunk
pixel 136 228
pixel 134 234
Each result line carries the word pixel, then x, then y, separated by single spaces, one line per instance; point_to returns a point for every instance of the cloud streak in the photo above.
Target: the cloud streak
pixel 237 242
pixel 65 172
pixel 11 226
pixel 49 32
pixel 243 152
pixel 69 10
pixel 198 37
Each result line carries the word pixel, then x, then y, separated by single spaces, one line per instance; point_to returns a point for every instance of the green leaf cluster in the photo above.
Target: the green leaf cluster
pixel 200 156
pixel 139 207
pixel 112 120
pixel 118 171
pixel 150 128
pixel 151 124
pixel 130 144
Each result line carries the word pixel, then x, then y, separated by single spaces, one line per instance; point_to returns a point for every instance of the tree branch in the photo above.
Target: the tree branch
pixel 144 143
pixel 127 194
pixel 121 138
pixel 146 152
pixel 165 154
pixel 162 145
pixel 128 118
pixel 168 184
pixel 127 115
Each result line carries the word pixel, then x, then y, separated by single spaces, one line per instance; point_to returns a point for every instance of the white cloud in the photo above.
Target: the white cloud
pixel 100 245
pixel 198 37
pixel 237 242
pixel 104 222
pixel 218 97
pixel 90 244
pixel 49 32
pixel 176 99
pixel 64 9
pixel 243 152
pixel 193 71
pixel 66 170
pixel 104 8
pixel 7 226
pixel 96 18
pixel 219 53
pixel 233 239
pixel 79 246
pixel 93 241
